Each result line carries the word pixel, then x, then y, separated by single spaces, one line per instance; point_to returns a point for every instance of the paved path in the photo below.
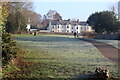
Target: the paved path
pixel 107 50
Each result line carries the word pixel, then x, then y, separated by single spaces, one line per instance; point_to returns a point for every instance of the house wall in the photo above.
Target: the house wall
pixel 69 28
pixel 28 27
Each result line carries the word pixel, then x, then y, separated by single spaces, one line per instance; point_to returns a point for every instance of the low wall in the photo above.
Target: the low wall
pixel 97 36
pixel 55 33
pixel 107 36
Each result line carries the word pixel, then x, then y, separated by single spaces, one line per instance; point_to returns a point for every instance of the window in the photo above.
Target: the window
pixel 72 31
pixel 77 28
pixel 53 27
pixel 58 26
pixel 77 31
pixel 67 31
pixel 67 26
pixel 72 27
pixel 87 27
pixel 81 28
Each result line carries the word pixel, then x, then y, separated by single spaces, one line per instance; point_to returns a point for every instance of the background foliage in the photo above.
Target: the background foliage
pixel 104 22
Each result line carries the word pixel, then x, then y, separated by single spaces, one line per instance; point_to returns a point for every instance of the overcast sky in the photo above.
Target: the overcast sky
pixel 73 9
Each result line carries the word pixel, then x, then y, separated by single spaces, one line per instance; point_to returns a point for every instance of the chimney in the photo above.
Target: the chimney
pixel 68 19
pixel 77 20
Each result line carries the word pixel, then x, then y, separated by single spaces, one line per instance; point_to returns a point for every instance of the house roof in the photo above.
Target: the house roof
pixel 84 23
pixel 64 22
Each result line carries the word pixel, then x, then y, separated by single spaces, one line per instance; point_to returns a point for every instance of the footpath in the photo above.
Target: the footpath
pixel 107 50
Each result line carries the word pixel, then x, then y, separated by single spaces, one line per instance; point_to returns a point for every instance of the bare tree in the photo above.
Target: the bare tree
pixel 57 16
pixel 33 16
pixel 50 14
pixel 44 17
pixel 114 8
pixel 53 15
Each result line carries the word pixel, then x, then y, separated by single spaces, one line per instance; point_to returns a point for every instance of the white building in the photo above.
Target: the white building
pixel 67 26
pixel 28 25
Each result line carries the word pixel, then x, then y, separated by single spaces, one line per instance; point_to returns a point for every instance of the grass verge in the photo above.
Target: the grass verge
pixel 56 56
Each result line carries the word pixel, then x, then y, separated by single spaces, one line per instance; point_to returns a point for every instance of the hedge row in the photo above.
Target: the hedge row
pixel 9 49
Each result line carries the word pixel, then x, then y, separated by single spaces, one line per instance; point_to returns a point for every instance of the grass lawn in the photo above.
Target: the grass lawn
pixel 58 56
pixel 114 43
pixel 111 42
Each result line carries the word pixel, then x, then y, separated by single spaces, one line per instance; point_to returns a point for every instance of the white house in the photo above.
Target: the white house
pixel 67 26
pixel 28 27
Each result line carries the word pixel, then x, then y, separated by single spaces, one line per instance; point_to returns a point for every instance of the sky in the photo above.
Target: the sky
pixel 73 9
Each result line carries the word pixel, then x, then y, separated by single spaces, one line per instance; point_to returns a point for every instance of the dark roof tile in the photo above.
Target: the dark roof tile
pixel 64 22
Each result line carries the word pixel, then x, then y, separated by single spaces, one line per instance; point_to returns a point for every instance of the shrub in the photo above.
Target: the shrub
pixel 88 35
pixel 9 49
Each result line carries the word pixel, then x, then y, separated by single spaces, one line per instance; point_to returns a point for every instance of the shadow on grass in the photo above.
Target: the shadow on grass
pixel 89 76
pixel 44 39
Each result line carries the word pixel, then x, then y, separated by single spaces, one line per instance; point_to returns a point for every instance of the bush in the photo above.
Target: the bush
pixel 9 49
pixel 88 35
